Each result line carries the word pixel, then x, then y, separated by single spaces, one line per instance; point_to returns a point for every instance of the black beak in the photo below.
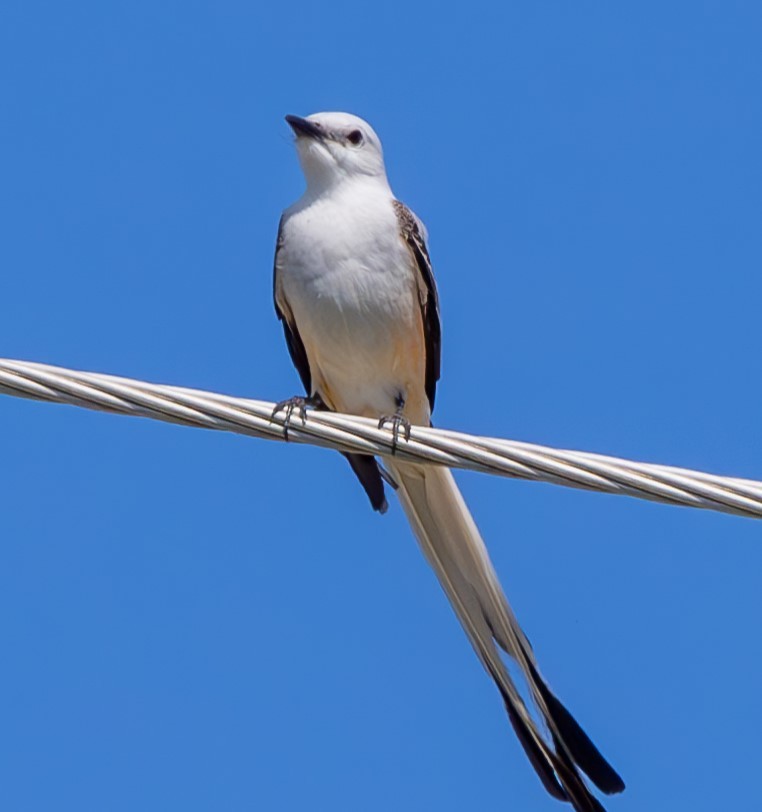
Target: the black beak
pixel 305 127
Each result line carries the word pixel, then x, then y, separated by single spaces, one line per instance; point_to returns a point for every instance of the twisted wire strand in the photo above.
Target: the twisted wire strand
pixel 200 409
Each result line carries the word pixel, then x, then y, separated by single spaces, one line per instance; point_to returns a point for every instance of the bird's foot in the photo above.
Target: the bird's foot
pixel 298 405
pixel 400 426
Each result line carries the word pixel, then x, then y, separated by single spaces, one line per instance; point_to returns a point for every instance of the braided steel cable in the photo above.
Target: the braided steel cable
pixel 200 409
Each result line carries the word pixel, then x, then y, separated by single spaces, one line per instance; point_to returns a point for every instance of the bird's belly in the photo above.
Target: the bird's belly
pixel 363 334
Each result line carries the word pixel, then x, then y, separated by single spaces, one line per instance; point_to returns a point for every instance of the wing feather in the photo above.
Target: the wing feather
pixel 364 466
pixel 413 233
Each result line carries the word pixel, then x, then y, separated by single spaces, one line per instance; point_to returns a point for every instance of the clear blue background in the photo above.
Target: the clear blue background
pixel 198 621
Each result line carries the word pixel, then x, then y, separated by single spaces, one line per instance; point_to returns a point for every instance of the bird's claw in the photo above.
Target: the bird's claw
pixel 296 404
pixel 399 422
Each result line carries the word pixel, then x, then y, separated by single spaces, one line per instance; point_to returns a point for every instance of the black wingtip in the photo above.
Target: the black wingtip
pixel 367 471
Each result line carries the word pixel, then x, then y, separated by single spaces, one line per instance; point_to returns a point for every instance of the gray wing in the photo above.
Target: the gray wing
pixel 413 234
pixel 293 339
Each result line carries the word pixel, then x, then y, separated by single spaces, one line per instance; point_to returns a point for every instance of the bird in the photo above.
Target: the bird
pixel 354 289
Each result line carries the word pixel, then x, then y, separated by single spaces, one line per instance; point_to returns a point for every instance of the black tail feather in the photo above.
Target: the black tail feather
pixel 579 794
pixel 536 757
pixel 556 771
pixel 581 749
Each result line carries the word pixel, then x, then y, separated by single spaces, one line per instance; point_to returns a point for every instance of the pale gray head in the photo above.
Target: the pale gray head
pixel 334 147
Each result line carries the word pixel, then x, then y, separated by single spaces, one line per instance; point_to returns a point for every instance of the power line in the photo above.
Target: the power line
pixel 200 409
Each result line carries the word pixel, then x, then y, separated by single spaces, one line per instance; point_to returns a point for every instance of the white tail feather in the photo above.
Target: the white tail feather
pixel 454 547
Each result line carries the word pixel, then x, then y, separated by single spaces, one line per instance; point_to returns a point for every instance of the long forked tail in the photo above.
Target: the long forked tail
pixel 453 546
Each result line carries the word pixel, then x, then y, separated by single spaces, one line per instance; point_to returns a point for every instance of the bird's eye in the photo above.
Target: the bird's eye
pixel 355 138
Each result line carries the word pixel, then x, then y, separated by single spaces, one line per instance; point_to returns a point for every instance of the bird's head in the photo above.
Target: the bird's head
pixel 334 147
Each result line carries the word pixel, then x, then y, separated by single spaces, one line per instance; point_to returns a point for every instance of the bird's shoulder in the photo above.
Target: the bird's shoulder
pixel 414 236
pixel 411 226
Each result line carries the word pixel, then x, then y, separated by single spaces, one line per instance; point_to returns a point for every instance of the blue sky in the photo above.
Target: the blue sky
pixel 199 621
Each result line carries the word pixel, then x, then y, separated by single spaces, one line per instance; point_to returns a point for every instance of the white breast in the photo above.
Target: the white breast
pixel 348 279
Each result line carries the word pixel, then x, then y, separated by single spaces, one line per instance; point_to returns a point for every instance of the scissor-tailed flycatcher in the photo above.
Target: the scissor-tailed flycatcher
pixel 355 292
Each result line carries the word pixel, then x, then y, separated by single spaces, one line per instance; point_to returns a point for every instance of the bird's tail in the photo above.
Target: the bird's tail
pixel 453 546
